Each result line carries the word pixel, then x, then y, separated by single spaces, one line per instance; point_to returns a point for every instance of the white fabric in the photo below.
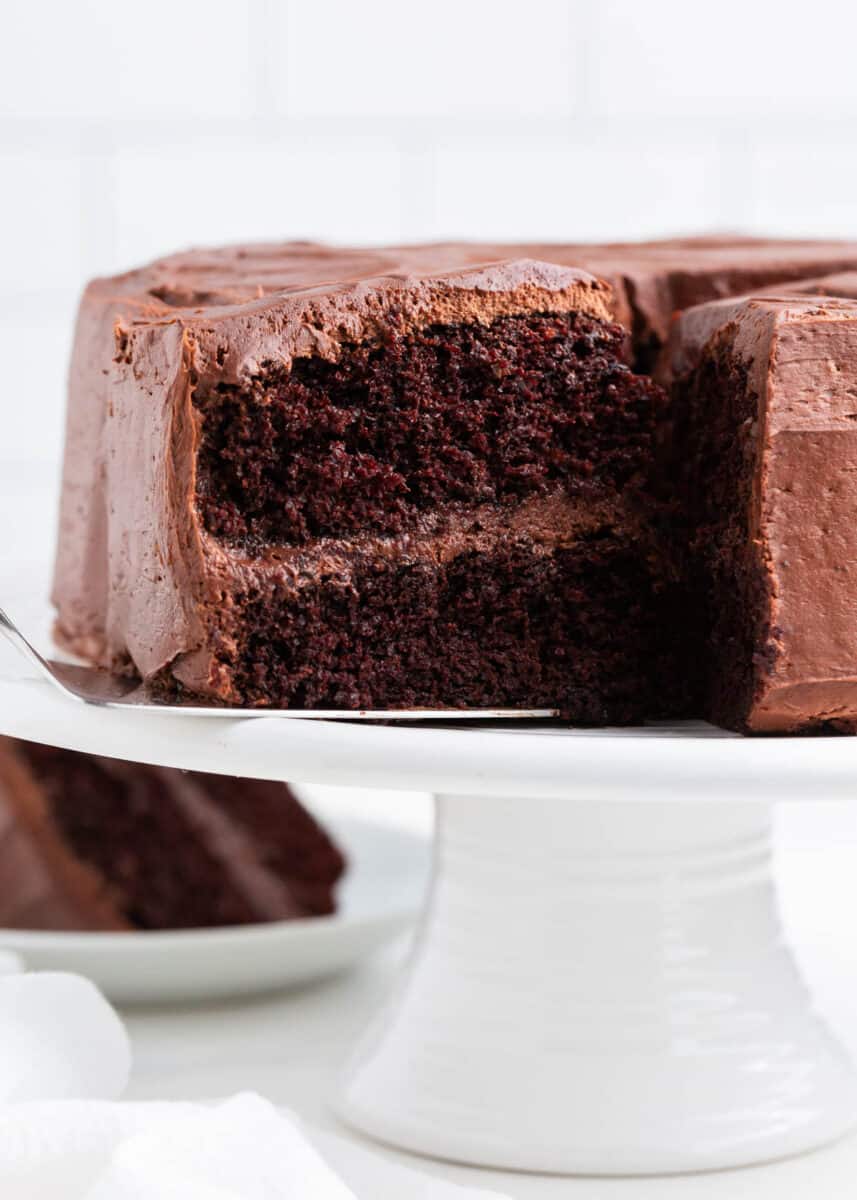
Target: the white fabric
pixel 65 1060
pixel 59 1040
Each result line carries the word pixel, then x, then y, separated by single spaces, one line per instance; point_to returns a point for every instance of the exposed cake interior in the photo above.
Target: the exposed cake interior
pixel 452 518
pixel 446 415
pixel 148 833
pixel 716 434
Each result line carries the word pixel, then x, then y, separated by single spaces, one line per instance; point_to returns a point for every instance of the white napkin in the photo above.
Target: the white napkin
pixel 243 1149
pixel 59 1040
pixel 64 1060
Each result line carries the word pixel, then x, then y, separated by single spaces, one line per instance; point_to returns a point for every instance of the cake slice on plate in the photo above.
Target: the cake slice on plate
pixel 90 843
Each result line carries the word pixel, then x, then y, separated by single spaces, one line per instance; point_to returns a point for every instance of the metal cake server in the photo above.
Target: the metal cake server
pixel 95 686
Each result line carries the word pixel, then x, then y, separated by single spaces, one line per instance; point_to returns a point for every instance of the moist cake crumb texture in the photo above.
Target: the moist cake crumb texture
pixel 716 434
pixel 577 625
pixel 466 414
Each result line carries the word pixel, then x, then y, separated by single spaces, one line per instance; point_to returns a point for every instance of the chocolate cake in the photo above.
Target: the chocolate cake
pixel 420 477
pixel 90 843
pixel 395 489
pixel 765 403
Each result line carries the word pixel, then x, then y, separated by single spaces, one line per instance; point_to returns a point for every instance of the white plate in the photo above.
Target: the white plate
pixel 379 899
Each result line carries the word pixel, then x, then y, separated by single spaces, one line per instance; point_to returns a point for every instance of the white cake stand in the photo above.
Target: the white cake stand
pixel 600 983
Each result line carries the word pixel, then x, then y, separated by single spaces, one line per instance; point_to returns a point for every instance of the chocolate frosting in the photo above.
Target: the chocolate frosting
pixel 843 284
pixel 801 355
pixel 651 281
pixel 663 278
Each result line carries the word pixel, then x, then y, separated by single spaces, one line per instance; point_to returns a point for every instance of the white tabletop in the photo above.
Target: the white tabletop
pixel 290 1047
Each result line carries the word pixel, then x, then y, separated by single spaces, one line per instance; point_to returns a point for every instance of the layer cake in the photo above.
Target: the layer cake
pixel 429 477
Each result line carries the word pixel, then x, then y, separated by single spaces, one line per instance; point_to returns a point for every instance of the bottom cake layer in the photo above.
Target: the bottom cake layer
pixel 572 614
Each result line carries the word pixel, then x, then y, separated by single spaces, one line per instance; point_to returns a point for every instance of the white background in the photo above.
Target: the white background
pixel 128 130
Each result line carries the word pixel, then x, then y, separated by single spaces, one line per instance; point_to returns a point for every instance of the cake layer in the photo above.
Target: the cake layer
pixel 765 406
pixel 94 843
pixel 462 414
pixel 550 603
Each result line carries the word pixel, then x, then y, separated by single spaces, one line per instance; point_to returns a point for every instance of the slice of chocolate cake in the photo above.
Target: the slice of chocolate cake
pixel 320 479
pixel 765 399
pixel 90 843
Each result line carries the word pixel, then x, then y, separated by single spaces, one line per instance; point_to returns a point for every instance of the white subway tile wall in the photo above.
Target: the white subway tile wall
pixel 128 131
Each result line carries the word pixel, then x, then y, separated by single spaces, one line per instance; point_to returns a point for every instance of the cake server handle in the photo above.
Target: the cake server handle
pixel 14 636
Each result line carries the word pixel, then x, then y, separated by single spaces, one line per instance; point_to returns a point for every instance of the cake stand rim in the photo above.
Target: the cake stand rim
pixel 690 761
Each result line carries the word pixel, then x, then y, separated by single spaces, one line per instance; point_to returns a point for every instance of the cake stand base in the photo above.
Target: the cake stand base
pixel 601 988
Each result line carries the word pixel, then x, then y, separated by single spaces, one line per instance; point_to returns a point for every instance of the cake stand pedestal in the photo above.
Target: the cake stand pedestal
pixel 601 988
pixel 600 983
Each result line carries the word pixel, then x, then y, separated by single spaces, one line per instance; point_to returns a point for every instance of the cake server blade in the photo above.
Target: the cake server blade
pixel 91 685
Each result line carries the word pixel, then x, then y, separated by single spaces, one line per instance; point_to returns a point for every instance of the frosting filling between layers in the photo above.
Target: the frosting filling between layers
pixel 42 884
pixel 550 520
